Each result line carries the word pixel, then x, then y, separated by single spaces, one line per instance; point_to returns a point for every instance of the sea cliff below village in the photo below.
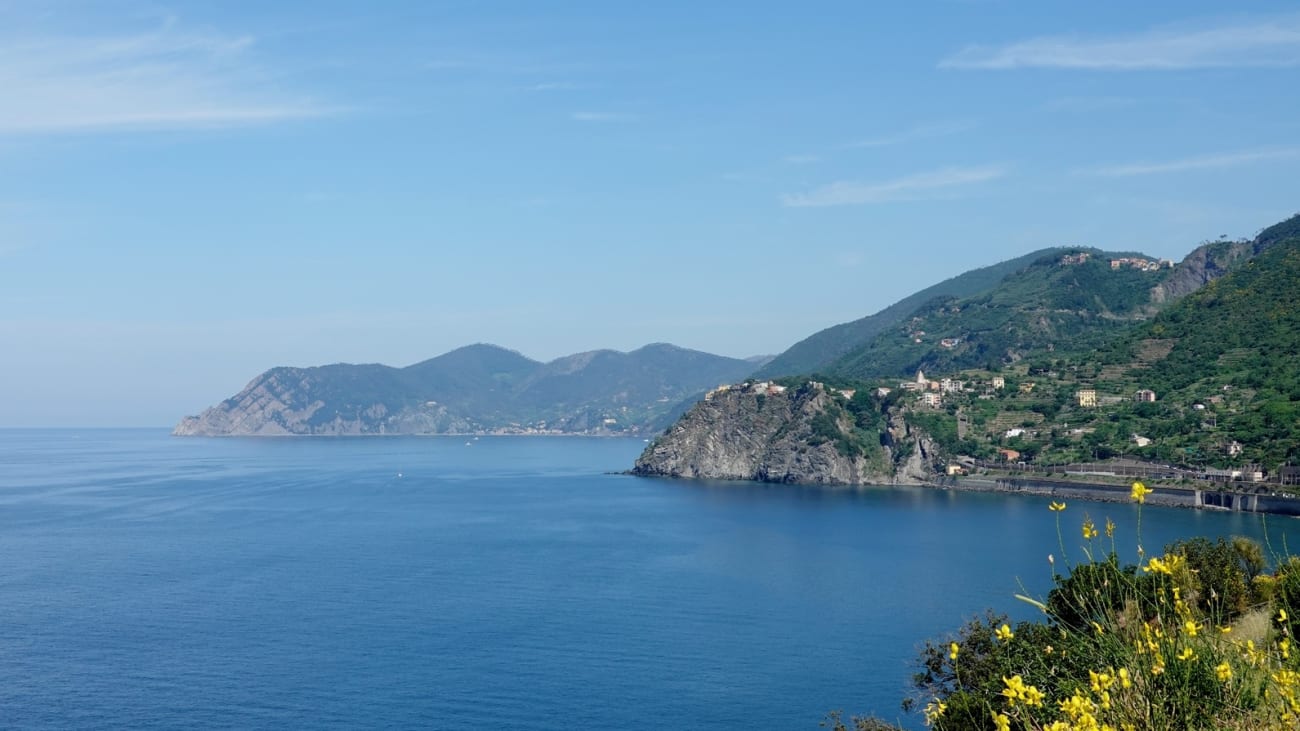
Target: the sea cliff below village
pixel 809 435
pixel 806 434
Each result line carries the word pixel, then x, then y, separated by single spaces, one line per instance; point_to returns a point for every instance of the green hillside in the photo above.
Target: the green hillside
pixel 1061 300
pixel 1231 348
pixel 816 352
pixel 1211 382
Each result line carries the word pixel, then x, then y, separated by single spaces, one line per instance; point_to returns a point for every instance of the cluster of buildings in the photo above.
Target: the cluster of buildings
pixel 1087 398
pixel 1146 265
pixel 932 392
pixel 768 388
pixel 1135 262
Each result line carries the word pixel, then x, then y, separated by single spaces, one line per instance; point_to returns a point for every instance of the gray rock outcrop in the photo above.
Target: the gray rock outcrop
pixel 749 433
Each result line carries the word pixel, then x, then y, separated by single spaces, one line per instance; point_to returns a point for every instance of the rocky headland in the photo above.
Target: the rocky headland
pixel 771 433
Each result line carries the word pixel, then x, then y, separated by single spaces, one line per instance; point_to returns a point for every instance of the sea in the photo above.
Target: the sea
pixel 148 581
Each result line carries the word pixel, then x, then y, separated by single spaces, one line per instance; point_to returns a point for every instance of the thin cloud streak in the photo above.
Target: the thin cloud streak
pixel 1271 42
pixel 921 132
pixel 556 86
pixel 1199 162
pixel 160 80
pixel 601 117
pixel 909 187
pixel 1089 104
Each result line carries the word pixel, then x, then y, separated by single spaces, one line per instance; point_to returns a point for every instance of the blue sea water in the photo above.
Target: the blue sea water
pixel 154 582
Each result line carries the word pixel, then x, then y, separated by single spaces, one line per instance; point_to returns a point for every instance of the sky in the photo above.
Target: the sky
pixel 193 192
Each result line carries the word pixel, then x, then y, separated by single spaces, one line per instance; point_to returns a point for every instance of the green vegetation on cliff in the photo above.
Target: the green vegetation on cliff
pixel 818 351
pixel 1200 637
pixel 1208 381
pixel 1231 347
pixel 1044 306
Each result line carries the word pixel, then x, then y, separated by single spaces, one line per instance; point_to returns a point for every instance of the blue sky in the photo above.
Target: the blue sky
pixel 193 192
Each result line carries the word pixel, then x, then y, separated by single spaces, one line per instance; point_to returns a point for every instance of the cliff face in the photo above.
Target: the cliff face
pixel 1210 261
pixel 754 434
pixel 1204 265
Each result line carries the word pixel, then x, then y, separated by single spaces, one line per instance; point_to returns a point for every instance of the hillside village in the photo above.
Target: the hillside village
pixel 1037 419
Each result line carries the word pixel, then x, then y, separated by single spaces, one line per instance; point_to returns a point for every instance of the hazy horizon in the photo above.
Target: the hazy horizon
pixel 194 193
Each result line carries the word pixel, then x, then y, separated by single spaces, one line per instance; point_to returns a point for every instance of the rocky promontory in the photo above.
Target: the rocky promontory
pixel 808 434
pixel 476 389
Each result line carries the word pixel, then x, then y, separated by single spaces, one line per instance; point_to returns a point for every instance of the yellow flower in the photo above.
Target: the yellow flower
pixel 1158 667
pixel 1001 722
pixel 1285 647
pixel 1140 492
pixel 1089 530
pixel 1100 681
pixel 1155 566
pixel 1017 692
pixel 1033 696
pixel 1187 654
pixel 1004 633
pixel 1124 681
pixel 934 710
pixel 1098 628
pixel 1056 507
pixel 1167 566
pixel 1224 630
pixel 1077 706
pixel 953 649
pixel 1190 628
pixel 1224 671
pixel 1281 615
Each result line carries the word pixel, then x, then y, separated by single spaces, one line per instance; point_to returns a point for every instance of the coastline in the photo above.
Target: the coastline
pixel 1098 492
pixel 1163 495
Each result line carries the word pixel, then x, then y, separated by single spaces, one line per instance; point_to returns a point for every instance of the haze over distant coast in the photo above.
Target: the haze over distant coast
pixel 193 193
pixel 473 390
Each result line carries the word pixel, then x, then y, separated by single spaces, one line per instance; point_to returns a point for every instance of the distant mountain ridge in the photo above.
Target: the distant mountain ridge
pixel 474 389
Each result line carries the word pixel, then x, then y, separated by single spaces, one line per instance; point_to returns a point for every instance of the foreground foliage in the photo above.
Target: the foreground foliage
pixel 1199 637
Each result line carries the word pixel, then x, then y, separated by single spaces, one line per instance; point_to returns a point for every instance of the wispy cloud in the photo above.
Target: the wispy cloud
pixel 920 132
pixel 1256 43
pixel 601 117
pixel 1198 162
pixel 1089 103
pixel 164 79
pixel 505 63
pixel 909 187
pixel 556 86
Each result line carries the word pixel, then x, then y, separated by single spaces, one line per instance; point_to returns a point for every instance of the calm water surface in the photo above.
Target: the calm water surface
pixel 152 582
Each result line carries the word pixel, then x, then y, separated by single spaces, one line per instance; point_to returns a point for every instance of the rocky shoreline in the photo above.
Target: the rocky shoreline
pixel 767 433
